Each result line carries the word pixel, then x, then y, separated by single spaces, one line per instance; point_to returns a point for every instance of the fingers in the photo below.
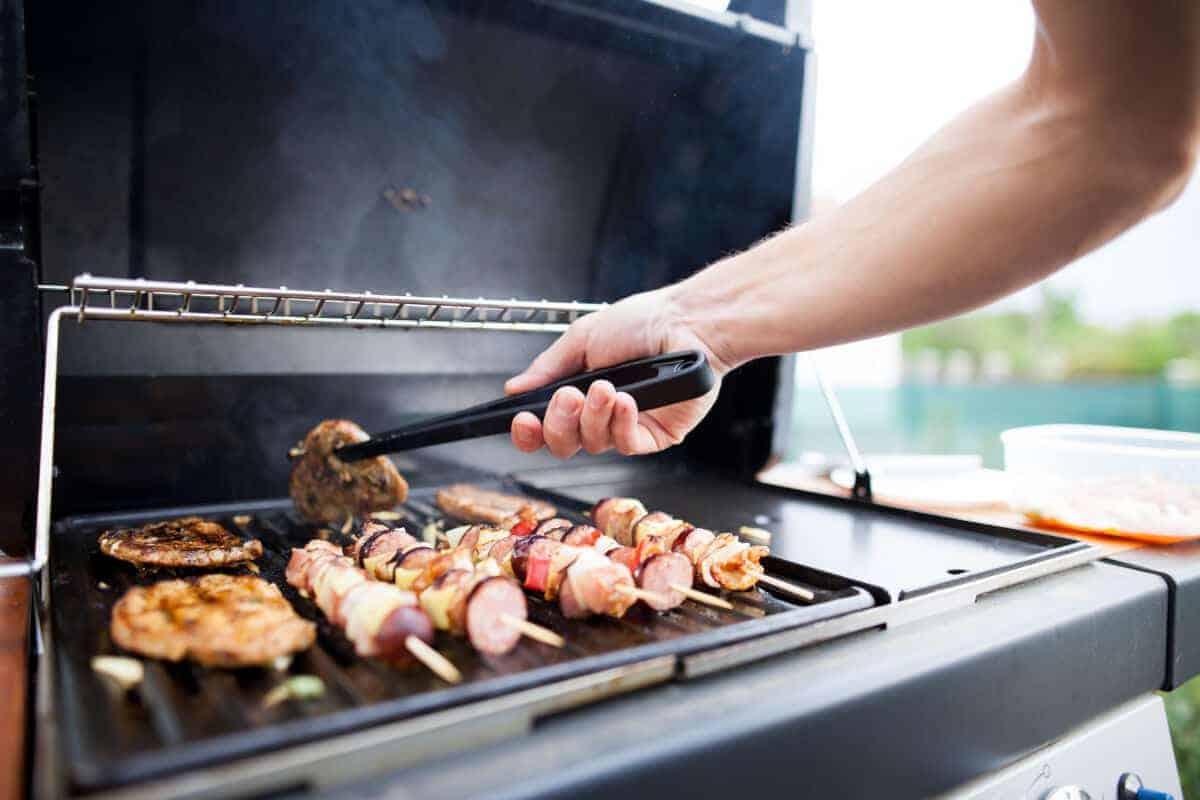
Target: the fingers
pixel 604 418
pixel 526 432
pixel 630 438
pixel 564 357
pixel 560 428
pixel 596 417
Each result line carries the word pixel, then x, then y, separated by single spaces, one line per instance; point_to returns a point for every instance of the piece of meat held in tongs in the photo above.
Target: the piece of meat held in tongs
pixel 379 619
pixel 488 608
pixel 326 489
pixel 474 504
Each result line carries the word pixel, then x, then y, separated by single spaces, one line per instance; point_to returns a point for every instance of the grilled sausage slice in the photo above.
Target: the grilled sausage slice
pixel 659 573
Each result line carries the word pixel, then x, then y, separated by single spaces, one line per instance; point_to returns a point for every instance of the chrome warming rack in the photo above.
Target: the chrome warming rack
pixel 188 302
pixel 90 298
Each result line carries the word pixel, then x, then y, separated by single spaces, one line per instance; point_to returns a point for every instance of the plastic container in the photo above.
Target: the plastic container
pixel 1130 482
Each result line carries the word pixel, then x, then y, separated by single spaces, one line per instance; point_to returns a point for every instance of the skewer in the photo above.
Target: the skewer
pixel 787 588
pixel 755 535
pixel 437 663
pixel 533 630
pixel 640 594
pixel 702 597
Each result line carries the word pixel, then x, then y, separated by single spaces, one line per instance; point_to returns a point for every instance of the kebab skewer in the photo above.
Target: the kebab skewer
pixel 460 596
pixel 721 561
pixel 379 619
pixel 582 580
pixel 655 569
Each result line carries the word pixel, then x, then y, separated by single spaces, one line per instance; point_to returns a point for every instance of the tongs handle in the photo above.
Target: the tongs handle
pixel 653 382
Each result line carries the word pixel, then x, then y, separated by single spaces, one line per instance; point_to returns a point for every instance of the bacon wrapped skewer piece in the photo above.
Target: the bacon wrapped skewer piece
pixel 378 619
pixel 720 561
pixel 456 594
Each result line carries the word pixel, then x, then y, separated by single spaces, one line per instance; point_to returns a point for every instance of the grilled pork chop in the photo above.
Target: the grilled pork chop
pixel 216 620
pixel 327 489
pixel 186 542
pixel 474 504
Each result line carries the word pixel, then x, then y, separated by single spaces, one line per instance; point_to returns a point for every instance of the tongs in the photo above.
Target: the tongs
pixel 653 382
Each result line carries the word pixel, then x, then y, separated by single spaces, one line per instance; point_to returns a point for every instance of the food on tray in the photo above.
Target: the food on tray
pixel 125 672
pixel 464 598
pixel 377 618
pixel 473 504
pixel 327 489
pixel 216 620
pixel 1147 507
pixel 720 561
pixel 663 575
pixel 297 687
pixel 186 542
pixel 583 581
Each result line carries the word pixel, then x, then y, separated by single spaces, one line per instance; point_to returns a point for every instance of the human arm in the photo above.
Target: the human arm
pixel 1099 132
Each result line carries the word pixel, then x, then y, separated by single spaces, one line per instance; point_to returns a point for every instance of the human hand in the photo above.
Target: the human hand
pixel 639 326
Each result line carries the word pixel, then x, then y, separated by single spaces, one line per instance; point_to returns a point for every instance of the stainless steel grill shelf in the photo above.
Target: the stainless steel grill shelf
pixel 90 297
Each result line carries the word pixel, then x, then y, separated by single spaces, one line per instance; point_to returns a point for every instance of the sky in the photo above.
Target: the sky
pixel 890 74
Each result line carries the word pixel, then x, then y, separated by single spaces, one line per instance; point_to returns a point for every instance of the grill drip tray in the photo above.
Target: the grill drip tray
pixel 185 716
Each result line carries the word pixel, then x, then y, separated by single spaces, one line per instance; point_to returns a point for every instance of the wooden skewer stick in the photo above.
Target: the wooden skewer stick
pixel 789 588
pixel 640 594
pixel 533 630
pixel 702 597
pixel 437 663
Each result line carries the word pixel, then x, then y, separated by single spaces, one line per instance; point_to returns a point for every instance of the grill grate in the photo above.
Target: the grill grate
pixel 186 716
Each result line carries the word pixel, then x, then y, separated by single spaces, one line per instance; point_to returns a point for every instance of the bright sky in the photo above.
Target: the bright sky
pixel 889 74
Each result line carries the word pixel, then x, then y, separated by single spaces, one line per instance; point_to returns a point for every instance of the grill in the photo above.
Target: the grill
pixel 435 152
pixel 186 716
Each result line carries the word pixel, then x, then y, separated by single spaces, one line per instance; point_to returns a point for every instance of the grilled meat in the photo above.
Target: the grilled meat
pixel 474 504
pixel 327 489
pixel 721 561
pixel 186 542
pixel 216 620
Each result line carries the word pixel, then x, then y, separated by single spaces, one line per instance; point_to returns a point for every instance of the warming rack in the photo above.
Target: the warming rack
pixel 141 300
pixel 188 302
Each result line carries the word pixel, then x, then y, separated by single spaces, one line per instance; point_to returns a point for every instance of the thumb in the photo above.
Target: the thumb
pixel 565 357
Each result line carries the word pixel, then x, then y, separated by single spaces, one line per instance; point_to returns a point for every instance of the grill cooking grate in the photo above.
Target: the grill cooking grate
pixel 185 716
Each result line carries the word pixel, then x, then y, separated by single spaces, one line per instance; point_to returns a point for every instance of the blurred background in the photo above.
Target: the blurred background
pixel 1114 339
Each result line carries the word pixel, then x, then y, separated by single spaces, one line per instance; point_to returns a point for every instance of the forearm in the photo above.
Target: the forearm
pixel 1012 190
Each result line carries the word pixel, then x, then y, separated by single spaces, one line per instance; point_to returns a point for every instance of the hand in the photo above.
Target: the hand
pixel 642 325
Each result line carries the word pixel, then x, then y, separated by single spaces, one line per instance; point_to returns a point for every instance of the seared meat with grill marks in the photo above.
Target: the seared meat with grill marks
pixel 186 542
pixel 327 489
pixel 474 504
pixel 216 620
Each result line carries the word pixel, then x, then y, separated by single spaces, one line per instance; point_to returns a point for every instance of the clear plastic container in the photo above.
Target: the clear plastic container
pixel 1130 482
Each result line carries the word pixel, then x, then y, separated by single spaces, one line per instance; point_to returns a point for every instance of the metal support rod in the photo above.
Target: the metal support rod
pixel 41 540
pixel 862 477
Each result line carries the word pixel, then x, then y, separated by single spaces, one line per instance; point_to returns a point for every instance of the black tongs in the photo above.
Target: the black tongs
pixel 653 383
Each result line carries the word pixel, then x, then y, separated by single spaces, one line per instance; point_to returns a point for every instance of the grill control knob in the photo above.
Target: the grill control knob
pixel 1067 793
pixel 1129 787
